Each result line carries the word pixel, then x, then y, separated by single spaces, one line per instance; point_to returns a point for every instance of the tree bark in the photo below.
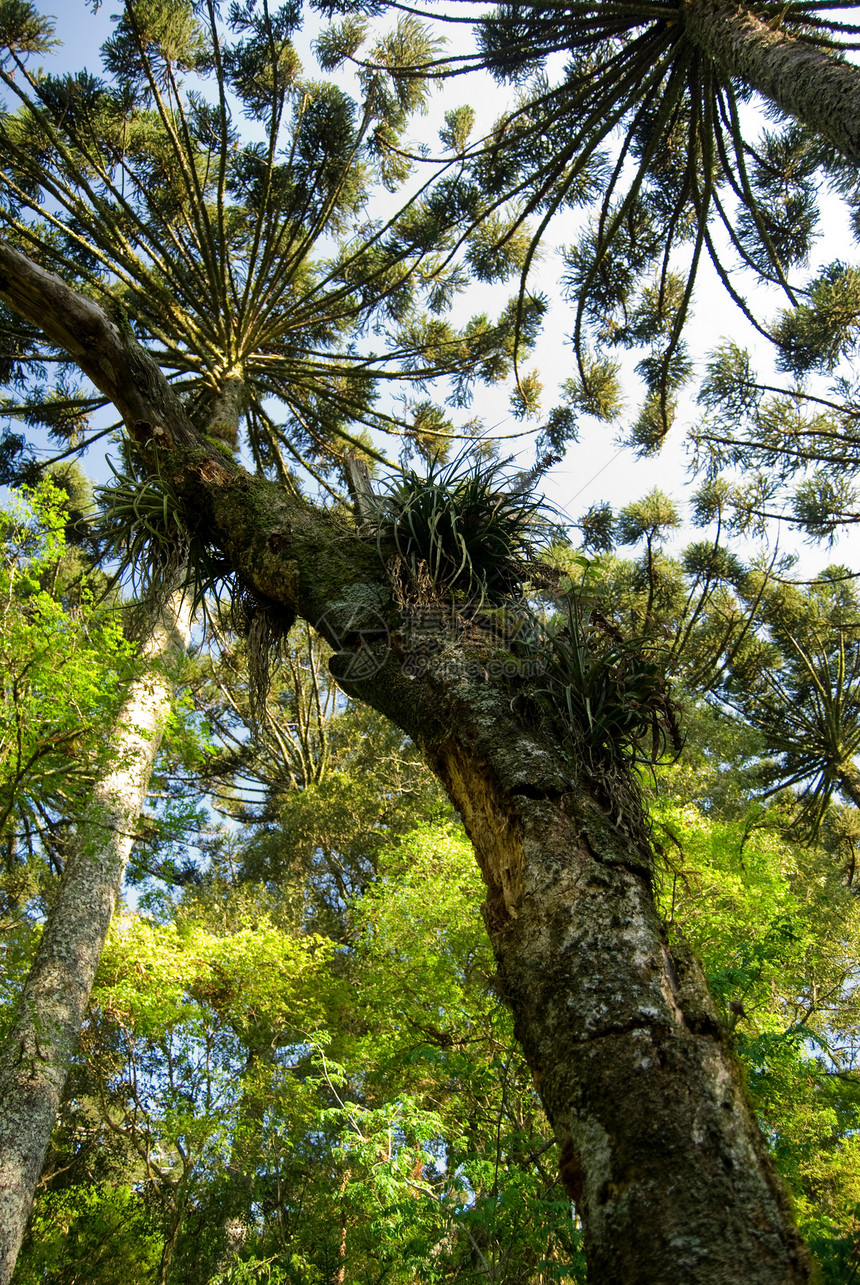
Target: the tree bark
pixel 35 1056
pixel 848 780
pixel 660 1150
pixel 226 411
pixel 340 1274
pixel 808 83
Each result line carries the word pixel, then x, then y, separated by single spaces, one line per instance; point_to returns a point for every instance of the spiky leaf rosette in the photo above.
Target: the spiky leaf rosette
pixel 143 534
pixel 465 527
pixel 798 683
pixel 610 688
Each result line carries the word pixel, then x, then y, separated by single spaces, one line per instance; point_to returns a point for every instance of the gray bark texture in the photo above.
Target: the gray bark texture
pixel 659 1147
pixel 35 1056
pixel 815 87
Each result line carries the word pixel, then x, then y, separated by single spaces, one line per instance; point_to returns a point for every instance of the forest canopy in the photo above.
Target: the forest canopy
pixel 402 882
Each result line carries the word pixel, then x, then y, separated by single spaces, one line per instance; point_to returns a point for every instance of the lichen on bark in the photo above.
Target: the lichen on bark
pixel 807 83
pixel 37 1050
pixel 659 1147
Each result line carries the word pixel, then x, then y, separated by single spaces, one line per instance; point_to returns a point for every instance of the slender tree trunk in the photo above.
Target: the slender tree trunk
pixel 35 1056
pixel 813 86
pixel 237 1197
pixel 659 1147
pixel 340 1274
pixel 179 1202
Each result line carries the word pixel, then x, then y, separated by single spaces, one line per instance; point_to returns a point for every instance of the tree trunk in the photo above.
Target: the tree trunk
pixel 35 1056
pixel 234 1212
pixel 848 780
pixel 340 1274
pixel 805 82
pixel 179 1202
pixel 660 1150
pixel 227 411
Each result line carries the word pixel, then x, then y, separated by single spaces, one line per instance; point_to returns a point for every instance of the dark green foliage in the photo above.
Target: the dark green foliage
pixel 695 609
pixel 785 216
pixel 815 335
pixel 611 690
pixel 16 463
pixel 781 660
pixel 597 527
pixel 597 389
pixel 466 528
pixel 23 30
pixel 800 687
pixel 823 503
pixel 797 451
pixel 316 805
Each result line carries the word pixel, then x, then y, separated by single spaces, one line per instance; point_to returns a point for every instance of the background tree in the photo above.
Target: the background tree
pixel 792 445
pixel 780 657
pixel 798 686
pixel 39 1042
pixel 143 189
pixel 318 786
pixel 144 195
pixel 549 803
pixel 690 185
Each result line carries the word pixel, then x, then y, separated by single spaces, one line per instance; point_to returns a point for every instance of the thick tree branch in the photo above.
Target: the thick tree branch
pixel 106 352
pixel 810 84
pixel 639 1082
